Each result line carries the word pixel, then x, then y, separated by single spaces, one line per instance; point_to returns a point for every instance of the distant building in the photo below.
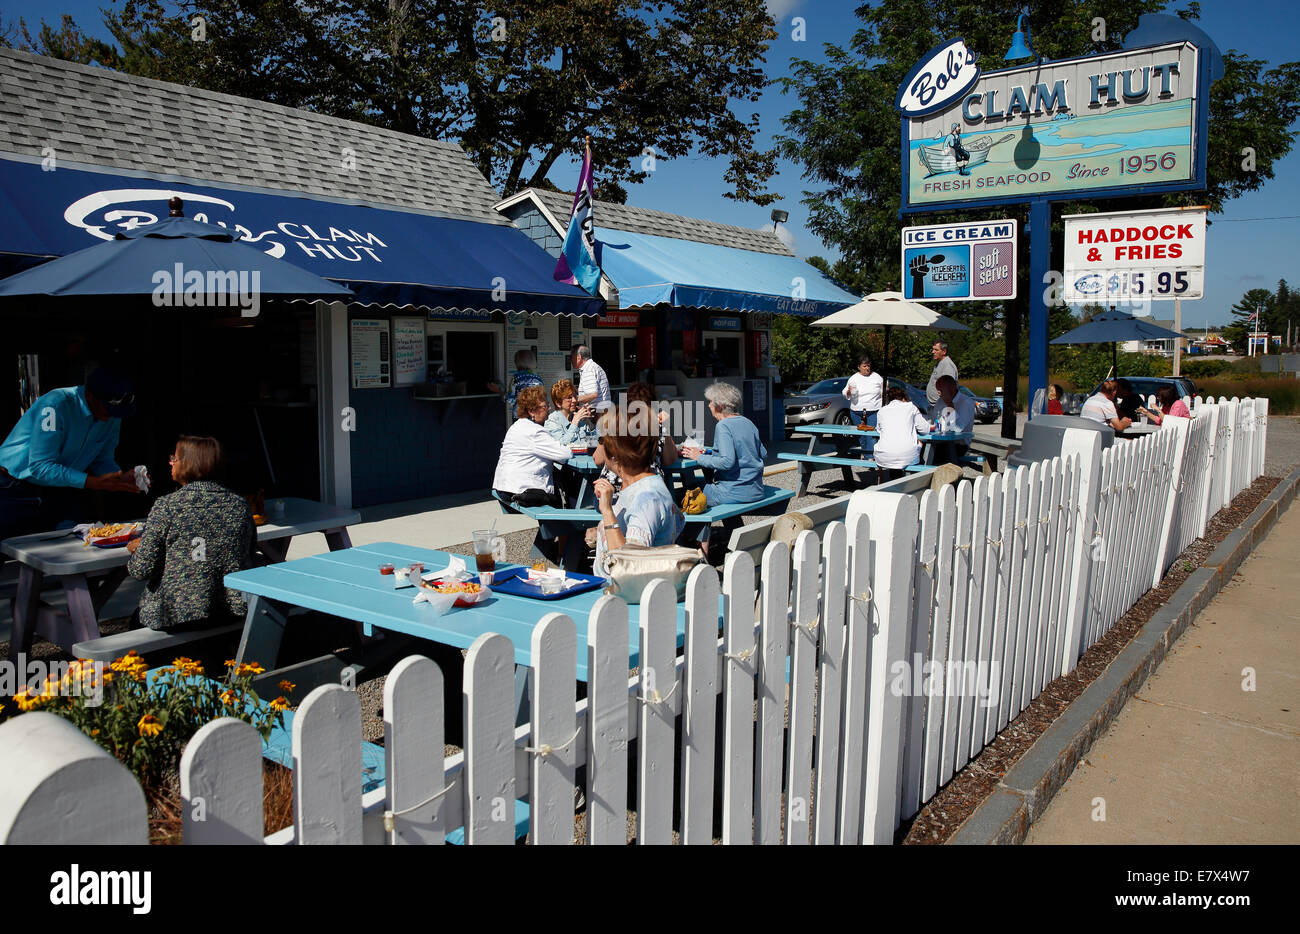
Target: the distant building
pixel 1164 348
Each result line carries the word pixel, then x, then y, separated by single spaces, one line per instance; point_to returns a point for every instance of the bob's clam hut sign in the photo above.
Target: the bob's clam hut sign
pixel 1120 124
pixel 1070 128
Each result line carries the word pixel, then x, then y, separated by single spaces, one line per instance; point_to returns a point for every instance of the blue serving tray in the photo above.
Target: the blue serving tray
pixel 515 581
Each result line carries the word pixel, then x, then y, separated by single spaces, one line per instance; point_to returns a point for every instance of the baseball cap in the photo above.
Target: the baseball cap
pixel 114 390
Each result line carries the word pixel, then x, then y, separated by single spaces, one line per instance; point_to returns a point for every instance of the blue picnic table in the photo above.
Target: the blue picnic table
pixel 348 584
pixel 844 438
pixel 586 467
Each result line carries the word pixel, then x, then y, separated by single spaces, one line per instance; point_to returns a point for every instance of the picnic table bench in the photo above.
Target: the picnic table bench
pixel 89 575
pixel 844 437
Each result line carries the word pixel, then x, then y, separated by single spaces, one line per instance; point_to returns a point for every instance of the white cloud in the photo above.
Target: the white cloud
pixel 778 9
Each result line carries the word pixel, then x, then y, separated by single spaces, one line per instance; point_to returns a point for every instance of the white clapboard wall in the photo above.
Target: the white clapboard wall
pixel 849 679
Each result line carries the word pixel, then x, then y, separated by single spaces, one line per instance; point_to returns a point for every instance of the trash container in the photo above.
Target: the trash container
pixel 1045 437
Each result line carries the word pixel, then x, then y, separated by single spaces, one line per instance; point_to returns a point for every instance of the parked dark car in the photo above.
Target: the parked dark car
pixel 987 409
pixel 1146 386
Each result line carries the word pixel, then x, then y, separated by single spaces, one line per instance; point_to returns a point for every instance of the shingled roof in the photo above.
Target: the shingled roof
pixel 104 118
pixel 662 224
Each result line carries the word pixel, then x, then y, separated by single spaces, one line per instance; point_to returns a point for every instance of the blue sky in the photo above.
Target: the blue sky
pixel 1242 253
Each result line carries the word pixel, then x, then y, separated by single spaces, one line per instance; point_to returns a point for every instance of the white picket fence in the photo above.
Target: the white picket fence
pixel 884 657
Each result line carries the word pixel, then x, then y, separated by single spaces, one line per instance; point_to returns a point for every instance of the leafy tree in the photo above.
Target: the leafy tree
pixel 519 85
pixel 1255 303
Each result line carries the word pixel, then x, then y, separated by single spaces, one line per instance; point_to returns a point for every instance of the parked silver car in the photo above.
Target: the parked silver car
pixel 987 410
pixel 823 403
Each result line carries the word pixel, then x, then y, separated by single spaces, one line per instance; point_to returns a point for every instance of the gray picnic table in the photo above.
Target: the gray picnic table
pixel 90 575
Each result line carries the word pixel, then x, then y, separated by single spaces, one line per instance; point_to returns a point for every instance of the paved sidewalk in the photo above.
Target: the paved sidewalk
pixel 1193 757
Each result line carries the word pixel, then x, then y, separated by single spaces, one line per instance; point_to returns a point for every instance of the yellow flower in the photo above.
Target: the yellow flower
pixel 94 732
pixel 279 704
pixel 108 677
pixel 229 698
pixel 249 668
pixel 149 725
pixel 230 663
pixel 187 666
pixel 287 686
pixel 26 700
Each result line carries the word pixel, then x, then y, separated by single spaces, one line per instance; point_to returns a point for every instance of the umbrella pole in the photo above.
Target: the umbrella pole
pixel 1114 358
pixel 886 366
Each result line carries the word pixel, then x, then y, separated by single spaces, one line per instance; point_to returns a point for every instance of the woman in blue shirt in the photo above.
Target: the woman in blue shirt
pixel 737 457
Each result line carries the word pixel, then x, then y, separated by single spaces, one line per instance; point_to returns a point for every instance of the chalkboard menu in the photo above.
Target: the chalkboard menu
pixel 371 354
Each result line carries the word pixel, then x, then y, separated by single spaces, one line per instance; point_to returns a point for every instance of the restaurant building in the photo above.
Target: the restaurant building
pixel 380 399
pixel 687 300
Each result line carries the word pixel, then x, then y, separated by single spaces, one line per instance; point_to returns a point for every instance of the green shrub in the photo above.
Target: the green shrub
pixel 1283 394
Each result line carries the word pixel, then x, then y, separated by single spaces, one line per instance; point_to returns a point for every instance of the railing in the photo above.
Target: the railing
pixel 881 659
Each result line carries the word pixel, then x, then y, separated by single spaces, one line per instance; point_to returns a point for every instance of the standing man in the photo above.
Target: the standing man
pixel 525 375
pixel 63 444
pixel 943 366
pixel 593 384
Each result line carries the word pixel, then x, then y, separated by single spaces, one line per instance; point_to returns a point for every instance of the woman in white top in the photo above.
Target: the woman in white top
pixel 864 392
pixel 899 422
pixel 529 452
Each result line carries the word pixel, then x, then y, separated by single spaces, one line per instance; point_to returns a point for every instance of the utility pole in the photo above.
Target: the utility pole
pixel 1178 342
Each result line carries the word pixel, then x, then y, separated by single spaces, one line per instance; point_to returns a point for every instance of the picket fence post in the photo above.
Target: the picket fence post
pixel 221 784
pixel 1086 447
pixel 416 792
pixel 892 531
pixel 555 662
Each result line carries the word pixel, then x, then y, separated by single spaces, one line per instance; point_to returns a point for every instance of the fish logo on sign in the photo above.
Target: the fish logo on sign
pixel 1088 285
pixel 941 77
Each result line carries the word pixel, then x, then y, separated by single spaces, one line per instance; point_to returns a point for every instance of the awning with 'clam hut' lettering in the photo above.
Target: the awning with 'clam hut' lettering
pixel 648 270
pixel 386 256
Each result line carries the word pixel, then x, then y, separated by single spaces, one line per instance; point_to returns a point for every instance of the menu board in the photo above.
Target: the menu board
pixel 408 351
pixel 371 354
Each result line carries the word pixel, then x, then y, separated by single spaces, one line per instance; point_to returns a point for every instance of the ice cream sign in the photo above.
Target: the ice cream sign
pixel 1135 256
pixel 957 262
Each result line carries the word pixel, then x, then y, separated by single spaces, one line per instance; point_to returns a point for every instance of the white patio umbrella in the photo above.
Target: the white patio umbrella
pixel 889 310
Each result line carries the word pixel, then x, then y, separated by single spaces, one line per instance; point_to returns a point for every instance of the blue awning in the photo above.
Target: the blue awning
pixel 386 256
pixel 648 270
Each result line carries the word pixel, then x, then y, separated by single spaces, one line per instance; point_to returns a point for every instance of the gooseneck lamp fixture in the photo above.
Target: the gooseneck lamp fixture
pixel 1020 44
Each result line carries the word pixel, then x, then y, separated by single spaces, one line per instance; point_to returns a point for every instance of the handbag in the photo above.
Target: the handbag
pixel 694 502
pixel 631 568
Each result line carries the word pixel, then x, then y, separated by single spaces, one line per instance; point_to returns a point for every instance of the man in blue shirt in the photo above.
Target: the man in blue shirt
pixel 64 442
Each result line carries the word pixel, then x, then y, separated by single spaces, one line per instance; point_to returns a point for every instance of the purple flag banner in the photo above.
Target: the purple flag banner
pixel 577 264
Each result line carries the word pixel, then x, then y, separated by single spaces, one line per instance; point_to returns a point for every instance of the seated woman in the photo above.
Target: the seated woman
pixel 570 424
pixel 192 539
pixel 1170 404
pixel 645 513
pixel 639 403
pixel 528 453
pixel 899 422
pixel 737 458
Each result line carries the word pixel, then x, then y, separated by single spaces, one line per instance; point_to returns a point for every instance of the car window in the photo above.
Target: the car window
pixel 828 386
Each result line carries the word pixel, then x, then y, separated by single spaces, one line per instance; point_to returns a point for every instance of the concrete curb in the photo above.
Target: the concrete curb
pixel 1025 791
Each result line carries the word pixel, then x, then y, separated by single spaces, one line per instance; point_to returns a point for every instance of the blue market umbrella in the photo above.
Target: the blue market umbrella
pixel 1115 326
pixel 171 256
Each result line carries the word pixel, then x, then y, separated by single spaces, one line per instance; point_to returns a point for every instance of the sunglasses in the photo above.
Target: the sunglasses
pixel 126 398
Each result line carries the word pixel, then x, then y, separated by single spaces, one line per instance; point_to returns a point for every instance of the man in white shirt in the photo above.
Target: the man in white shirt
pixel 593 384
pixel 1101 407
pixel 963 412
